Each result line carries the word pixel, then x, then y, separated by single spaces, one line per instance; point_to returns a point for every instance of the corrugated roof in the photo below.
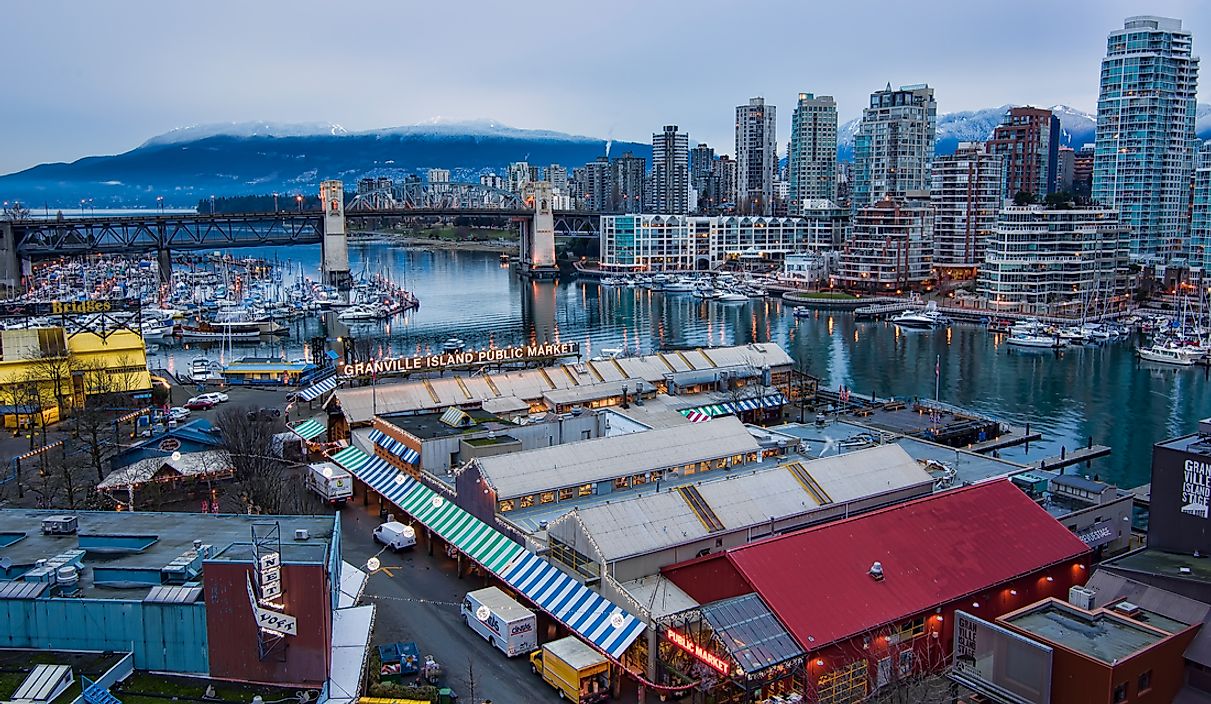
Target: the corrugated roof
pixel 1079 482
pixel 173 595
pixel 16 589
pixel 933 550
pixel 573 464
pixel 643 524
pixel 361 404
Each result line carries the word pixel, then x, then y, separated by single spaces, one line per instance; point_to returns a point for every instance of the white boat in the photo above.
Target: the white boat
pixel 453 344
pixel 156 327
pixel 213 332
pixel 924 319
pixel 1074 334
pixel 706 293
pixel 1182 356
pixel 1037 341
pixel 611 281
pixel 679 286
pixel 202 369
pixel 732 297
pixel 1028 327
pixel 359 312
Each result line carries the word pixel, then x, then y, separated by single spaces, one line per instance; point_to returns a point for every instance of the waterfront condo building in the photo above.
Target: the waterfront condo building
pixel 756 157
pixel 894 146
pixel 438 176
pixel 813 151
pixel 1068 262
pixel 558 177
pixel 679 243
pixel 1144 153
pixel 1199 254
pixel 518 176
pixel 670 171
pixel 889 247
pixel 966 194
pixel 1029 141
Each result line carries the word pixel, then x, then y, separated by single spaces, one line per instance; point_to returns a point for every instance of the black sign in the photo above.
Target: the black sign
pixel 72 308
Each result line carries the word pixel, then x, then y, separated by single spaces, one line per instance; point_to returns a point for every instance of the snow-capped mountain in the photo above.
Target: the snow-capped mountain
pixel 1076 126
pixel 190 163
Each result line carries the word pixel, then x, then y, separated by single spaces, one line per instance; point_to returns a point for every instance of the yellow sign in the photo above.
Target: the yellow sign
pixel 68 307
pixel 399 365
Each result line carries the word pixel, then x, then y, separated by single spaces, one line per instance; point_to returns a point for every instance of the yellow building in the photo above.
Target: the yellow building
pixel 43 369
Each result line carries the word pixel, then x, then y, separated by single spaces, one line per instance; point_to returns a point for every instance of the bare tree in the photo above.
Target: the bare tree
pixel 58 369
pixel 263 482
pixel 93 419
pixel 803 386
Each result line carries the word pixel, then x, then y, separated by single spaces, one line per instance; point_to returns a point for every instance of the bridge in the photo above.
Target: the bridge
pixel 24 240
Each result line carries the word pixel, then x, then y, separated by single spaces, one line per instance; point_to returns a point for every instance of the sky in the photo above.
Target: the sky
pixel 91 78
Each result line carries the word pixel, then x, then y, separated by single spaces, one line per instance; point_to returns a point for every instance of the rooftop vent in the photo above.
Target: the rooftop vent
pixel 876 571
pixel 1127 608
pixel 301 534
pixel 1081 597
pixel 59 525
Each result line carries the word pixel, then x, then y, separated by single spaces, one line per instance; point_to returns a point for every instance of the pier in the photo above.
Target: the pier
pixel 1067 459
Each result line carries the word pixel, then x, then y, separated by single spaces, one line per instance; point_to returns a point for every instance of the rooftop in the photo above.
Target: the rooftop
pixel 361 404
pixel 1195 442
pixel 427 426
pixel 1177 565
pixel 600 459
pixel 124 553
pixel 653 521
pixel 192 464
pixel 977 537
pixel 1100 635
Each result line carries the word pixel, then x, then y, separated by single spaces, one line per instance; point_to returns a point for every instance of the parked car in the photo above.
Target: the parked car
pixel 177 413
pixel 266 414
pixel 200 404
pixel 216 396
pixel 395 535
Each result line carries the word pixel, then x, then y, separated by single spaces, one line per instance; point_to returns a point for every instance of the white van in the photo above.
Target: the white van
pixel 395 535
pixel 502 621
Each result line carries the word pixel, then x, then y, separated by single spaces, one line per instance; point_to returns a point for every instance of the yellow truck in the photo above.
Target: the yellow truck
pixel 578 672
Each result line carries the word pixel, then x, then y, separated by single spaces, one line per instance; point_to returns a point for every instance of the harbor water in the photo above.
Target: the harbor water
pixel 1101 392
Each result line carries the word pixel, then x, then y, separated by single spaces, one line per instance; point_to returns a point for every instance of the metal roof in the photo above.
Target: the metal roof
pixel 933 551
pixel 750 632
pixel 650 522
pixel 1078 482
pixel 600 459
pixel 17 589
pixel 361 404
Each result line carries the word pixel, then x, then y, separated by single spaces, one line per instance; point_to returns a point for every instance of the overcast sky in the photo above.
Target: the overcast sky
pixel 101 77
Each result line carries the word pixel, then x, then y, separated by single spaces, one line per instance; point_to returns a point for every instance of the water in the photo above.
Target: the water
pixel 1102 392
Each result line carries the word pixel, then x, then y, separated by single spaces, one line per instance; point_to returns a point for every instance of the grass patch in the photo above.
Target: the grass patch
pixel 143 688
pixel 15 666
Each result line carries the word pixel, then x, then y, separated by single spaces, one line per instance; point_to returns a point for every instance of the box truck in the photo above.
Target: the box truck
pixel 580 673
pixel 502 621
pixel 333 484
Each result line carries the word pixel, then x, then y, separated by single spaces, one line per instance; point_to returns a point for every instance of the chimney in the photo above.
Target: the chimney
pixel 876 571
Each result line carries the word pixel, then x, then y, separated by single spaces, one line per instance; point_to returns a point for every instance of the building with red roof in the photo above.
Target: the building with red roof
pixel 870 599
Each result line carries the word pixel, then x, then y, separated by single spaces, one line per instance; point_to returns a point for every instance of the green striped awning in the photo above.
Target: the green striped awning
pixel 718 409
pixel 309 429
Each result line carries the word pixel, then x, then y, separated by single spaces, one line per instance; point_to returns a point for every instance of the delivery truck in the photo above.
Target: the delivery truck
pixel 580 673
pixel 333 484
pixel 502 621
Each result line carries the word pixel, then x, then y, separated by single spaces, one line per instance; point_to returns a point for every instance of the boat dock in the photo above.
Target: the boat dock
pixel 1067 459
pixel 882 310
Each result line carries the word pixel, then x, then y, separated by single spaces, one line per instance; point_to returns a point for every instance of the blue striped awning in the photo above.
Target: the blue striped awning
pixel 319 388
pixel 394 446
pixel 308 429
pixel 594 618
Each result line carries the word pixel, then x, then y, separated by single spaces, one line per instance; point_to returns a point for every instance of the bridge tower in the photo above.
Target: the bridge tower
pixel 538 234
pixel 336 242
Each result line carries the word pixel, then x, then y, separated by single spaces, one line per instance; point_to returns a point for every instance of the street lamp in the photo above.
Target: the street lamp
pixel 275 201
pixel 160 202
pixel 299 199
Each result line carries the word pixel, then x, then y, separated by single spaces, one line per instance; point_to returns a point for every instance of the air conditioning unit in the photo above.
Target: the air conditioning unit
pixel 59 525
pixel 1081 597
pixel 301 534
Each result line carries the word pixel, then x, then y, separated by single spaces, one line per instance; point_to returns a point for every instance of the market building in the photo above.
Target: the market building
pixel 680 373
pixel 45 372
pixel 868 601
pixel 231 597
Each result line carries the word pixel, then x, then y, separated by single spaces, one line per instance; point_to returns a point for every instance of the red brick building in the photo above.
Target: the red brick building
pixel 871 599
pixel 1029 141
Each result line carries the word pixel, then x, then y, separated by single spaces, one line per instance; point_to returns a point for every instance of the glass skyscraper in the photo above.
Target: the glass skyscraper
pixel 1144 154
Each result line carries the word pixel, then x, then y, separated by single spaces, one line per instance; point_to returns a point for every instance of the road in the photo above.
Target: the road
pixel 417 599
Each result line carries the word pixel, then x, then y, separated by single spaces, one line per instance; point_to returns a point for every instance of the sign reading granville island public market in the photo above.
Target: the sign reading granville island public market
pixel 429 362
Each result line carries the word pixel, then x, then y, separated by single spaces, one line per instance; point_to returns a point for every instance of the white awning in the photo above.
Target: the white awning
pixel 353 581
pixel 350 645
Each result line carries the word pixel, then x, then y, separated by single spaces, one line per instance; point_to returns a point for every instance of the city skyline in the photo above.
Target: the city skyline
pixel 258 70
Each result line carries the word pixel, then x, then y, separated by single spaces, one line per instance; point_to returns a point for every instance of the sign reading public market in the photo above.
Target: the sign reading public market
pixel 471 358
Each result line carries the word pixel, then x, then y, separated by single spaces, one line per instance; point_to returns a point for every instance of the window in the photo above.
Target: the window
pixel 586 489
pixel 905 662
pixel 845 685
pixel 547 497
pixel 1120 692
pixel 639 480
pixel 566 493
pixel 506 506
pixel 622 482
pixel 1145 682
pixel 527 501
pixel 911 629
